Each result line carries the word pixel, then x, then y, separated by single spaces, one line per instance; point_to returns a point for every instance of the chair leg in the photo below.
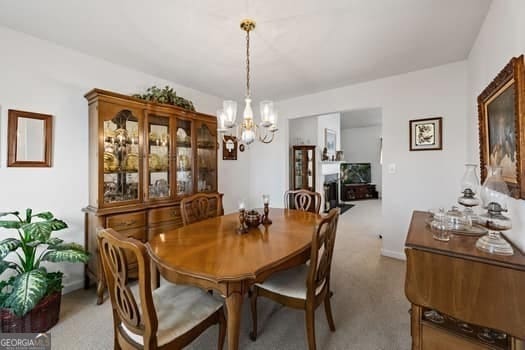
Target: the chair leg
pixel 328 311
pixel 222 329
pixel 253 303
pixel 310 328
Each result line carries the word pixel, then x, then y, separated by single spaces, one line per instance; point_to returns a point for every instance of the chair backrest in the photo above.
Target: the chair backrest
pixel 141 320
pixel 200 206
pixel 303 200
pixel 323 242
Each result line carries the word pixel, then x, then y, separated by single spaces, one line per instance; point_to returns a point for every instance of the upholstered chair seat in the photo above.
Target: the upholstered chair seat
pixel 290 283
pixel 192 305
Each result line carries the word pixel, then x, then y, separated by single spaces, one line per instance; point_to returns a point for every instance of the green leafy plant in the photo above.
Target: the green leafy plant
pixel 31 282
pixel 166 95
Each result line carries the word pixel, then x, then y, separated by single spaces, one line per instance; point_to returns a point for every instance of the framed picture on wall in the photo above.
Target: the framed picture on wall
pixel 501 109
pixel 426 134
pixel 229 148
pixel 330 140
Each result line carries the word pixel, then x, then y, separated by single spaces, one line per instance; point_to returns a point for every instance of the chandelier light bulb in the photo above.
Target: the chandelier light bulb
pixel 221 120
pixel 266 113
pixel 248 112
pixel 230 113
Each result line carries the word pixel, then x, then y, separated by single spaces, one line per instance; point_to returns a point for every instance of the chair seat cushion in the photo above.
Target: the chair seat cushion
pixel 179 308
pixel 291 282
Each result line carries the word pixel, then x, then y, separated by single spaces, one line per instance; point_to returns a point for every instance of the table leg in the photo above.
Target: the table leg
pixel 233 306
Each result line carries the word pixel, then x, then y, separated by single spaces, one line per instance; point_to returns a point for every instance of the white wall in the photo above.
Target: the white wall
pixel 41 77
pixel 439 91
pixel 363 145
pixel 501 37
pixel 303 131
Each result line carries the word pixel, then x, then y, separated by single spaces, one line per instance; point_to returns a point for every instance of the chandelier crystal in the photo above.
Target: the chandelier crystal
pixel 248 130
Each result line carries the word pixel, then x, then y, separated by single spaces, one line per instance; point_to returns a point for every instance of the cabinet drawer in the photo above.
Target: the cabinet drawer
pixel 163 215
pixel 123 222
pixel 437 339
pixel 163 228
pixel 137 233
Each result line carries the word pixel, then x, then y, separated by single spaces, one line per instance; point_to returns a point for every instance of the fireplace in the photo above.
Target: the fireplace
pixel 330 192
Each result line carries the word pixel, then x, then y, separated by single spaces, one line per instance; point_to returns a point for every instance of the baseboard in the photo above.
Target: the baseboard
pixel 393 254
pixel 70 287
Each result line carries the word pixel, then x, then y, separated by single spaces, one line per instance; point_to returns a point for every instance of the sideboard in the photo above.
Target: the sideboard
pixel 473 293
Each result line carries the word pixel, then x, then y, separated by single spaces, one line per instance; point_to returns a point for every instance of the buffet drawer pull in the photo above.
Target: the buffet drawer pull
pixel 129 223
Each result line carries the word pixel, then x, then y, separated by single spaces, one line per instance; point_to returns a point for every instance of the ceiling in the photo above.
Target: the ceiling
pixel 298 47
pixel 359 118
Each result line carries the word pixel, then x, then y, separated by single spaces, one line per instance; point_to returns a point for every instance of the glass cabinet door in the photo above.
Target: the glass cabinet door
pixel 206 159
pixel 310 168
pixel 298 169
pixel 120 154
pixel 184 158
pixel 158 174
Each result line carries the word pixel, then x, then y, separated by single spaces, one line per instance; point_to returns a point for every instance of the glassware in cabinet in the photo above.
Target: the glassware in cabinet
pixel 158 140
pixel 184 157
pixel 206 158
pixel 120 157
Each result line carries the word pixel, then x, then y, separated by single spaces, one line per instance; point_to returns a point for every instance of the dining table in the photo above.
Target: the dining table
pixel 210 254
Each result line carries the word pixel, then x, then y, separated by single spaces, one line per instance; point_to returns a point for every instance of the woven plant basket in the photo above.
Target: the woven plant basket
pixel 39 320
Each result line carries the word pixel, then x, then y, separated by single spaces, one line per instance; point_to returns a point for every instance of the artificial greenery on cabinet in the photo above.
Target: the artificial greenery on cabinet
pixel 166 95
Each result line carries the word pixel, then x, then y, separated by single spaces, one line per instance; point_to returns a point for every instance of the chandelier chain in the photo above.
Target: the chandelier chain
pixel 247 63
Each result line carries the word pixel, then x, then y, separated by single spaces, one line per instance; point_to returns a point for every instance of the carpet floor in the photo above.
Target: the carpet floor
pixel 369 305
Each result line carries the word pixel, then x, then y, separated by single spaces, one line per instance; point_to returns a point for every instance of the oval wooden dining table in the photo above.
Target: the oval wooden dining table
pixel 211 254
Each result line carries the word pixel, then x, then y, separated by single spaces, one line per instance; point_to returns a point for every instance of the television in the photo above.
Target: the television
pixel 356 173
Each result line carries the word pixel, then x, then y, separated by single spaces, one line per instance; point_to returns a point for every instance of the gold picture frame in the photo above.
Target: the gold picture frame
pixel 501 108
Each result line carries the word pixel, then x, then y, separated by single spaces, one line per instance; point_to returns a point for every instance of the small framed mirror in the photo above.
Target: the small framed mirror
pixel 29 139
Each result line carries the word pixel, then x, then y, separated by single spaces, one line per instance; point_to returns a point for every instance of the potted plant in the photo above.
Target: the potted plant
pixel 30 295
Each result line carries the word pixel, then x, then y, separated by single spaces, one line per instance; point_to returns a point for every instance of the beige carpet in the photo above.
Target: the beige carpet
pixel 370 309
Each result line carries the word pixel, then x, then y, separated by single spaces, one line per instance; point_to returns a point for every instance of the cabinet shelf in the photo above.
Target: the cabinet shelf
pixel 183 144
pixel 120 172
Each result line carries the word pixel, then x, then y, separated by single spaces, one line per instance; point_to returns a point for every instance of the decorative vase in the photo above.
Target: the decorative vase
pixel 39 320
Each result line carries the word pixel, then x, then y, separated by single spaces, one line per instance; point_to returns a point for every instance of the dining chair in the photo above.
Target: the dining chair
pixel 306 286
pixel 169 317
pixel 201 206
pixel 304 200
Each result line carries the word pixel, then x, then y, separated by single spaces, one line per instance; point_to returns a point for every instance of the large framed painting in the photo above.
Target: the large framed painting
pixel 426 134
pixel 330 139
pixel 501 111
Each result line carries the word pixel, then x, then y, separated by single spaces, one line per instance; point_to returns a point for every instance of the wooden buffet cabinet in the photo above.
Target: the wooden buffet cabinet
pixel 475 293
pixel 144 158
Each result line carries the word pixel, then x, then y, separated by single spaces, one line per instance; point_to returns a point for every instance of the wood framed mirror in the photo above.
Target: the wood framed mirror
pixel 29 139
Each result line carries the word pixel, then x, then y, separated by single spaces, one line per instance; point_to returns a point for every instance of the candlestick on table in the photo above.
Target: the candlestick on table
pixel 266 218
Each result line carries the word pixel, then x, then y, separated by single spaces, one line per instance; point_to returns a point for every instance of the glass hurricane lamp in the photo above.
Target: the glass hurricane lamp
pixel 494 194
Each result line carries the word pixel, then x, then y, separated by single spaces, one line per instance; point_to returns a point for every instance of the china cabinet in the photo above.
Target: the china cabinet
pixel 144 158
pixel 303 171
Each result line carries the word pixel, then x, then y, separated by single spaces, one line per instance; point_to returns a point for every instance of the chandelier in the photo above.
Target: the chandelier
pixel 247 130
